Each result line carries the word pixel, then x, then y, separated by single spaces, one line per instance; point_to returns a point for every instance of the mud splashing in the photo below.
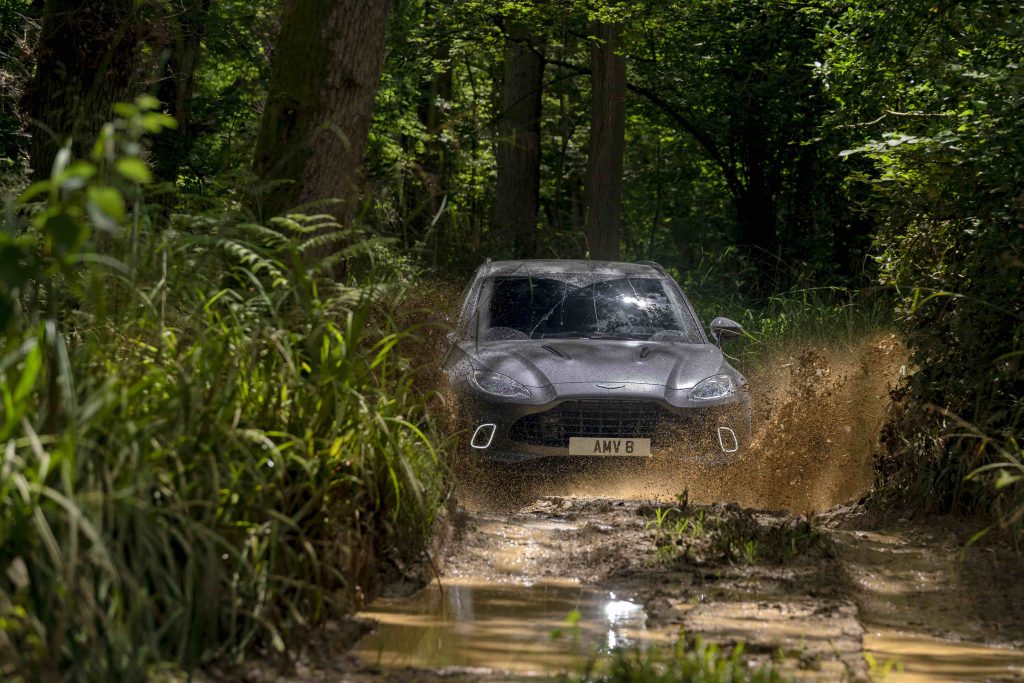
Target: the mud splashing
pixel 818 411
pixel 817 415
pixel 514 628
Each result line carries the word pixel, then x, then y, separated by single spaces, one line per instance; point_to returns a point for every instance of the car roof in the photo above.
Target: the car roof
pixel 551 266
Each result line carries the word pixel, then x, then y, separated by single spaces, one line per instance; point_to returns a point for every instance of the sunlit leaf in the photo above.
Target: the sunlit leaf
pixel 134 169
pixel 109 201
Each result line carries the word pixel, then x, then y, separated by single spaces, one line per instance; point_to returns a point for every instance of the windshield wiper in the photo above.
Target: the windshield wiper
pixel 560 335
pixel 592 335
pixel 614 335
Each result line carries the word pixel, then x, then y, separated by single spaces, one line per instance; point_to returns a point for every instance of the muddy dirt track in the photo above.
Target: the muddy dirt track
pixel 549 566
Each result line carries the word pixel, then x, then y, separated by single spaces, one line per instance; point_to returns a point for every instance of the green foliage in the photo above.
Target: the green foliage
pixel 734 535
pixel 696 661
pixel 231 81
pixel 748 159
pixel 805 314
pixel 936 94
pixel 706 81
pixel 879 671
pixel 209 447
pixel 16 31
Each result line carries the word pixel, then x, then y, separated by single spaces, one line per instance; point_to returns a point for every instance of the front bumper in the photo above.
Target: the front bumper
pixel 678 427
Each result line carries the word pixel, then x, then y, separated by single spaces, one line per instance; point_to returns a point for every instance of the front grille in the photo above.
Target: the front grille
pixel 593 417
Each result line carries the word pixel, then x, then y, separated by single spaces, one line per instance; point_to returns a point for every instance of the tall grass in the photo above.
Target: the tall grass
pixel 208 445
pixel 774 323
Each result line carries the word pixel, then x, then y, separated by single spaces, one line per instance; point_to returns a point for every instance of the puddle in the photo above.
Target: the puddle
pixel 926 658
pixel 497 626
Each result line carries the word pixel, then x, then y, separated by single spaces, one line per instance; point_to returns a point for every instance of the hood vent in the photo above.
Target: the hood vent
pixel 554 352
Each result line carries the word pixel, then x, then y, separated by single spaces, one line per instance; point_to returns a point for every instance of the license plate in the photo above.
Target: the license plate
pixel 579 445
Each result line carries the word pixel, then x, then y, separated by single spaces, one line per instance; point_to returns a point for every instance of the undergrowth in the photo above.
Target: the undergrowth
pixel 685 662
pixel 803 314
pixel 730 534
pixel 209 445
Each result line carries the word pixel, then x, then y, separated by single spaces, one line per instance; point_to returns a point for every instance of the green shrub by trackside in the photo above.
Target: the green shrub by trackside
pixel 207 444
pixel 687 661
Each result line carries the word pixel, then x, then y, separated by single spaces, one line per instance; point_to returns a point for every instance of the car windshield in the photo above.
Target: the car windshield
pixel 523 307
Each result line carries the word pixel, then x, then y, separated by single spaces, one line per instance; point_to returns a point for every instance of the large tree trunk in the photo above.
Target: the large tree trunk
pixel 87 60
pixel 175 90
pixel 607 143
pixel 517 191
pixel 324 75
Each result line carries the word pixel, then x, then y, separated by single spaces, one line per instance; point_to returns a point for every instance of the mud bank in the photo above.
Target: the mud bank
pixel 821 598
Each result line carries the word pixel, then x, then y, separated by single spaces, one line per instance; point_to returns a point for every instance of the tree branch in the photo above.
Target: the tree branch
pixel 702 137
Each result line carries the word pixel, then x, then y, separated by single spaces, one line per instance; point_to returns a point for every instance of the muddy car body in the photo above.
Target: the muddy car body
pixel 555 358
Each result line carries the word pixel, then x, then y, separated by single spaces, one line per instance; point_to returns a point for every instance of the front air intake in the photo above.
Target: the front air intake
pixel 483 436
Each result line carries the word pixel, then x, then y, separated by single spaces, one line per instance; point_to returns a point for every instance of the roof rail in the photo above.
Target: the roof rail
pixel 653 264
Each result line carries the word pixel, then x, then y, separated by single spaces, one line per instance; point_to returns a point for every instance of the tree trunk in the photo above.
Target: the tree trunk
pixel 607 143
pixel 175 90
pixel 756 202
pixel 755 213
pixel 324 75
pixel 434 162
pixel 517 191
pixel 87 60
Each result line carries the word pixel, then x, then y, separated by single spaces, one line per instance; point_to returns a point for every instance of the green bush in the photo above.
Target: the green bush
pixel 209 445
pixel 945 188
pixel 685 662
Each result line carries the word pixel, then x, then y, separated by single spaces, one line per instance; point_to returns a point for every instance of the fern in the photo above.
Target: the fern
pixel 257 263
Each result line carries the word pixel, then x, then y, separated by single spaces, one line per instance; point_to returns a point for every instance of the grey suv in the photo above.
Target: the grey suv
pixel 555 358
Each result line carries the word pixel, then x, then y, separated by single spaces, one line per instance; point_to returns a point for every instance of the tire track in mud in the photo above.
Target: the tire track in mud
pixel 603 553
pixel 939 607
pixel 894 590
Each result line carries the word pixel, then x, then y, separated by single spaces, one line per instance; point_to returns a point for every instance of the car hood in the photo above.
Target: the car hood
pixel 542 362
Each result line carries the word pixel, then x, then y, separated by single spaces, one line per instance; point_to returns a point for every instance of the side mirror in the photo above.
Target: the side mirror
pixel 723 330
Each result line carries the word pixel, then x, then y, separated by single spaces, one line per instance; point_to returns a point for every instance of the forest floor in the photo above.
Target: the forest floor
pixel 548 567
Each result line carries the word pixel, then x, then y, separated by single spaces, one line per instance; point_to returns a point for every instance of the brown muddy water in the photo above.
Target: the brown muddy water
pixel 515 598
pixel 518 628
pixel 915 658
pixel 574 550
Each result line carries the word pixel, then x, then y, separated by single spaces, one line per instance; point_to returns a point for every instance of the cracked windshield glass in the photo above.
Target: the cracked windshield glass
pixel 539 308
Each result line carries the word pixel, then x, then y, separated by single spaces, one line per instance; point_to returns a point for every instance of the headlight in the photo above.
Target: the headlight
pixel 499 385
pixel 715 386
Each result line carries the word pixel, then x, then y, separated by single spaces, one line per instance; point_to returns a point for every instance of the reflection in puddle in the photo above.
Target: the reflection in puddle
pixel 925 658
pixel 500 626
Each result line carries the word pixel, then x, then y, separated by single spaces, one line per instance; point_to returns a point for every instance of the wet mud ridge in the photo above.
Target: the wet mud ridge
pixel 635 574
